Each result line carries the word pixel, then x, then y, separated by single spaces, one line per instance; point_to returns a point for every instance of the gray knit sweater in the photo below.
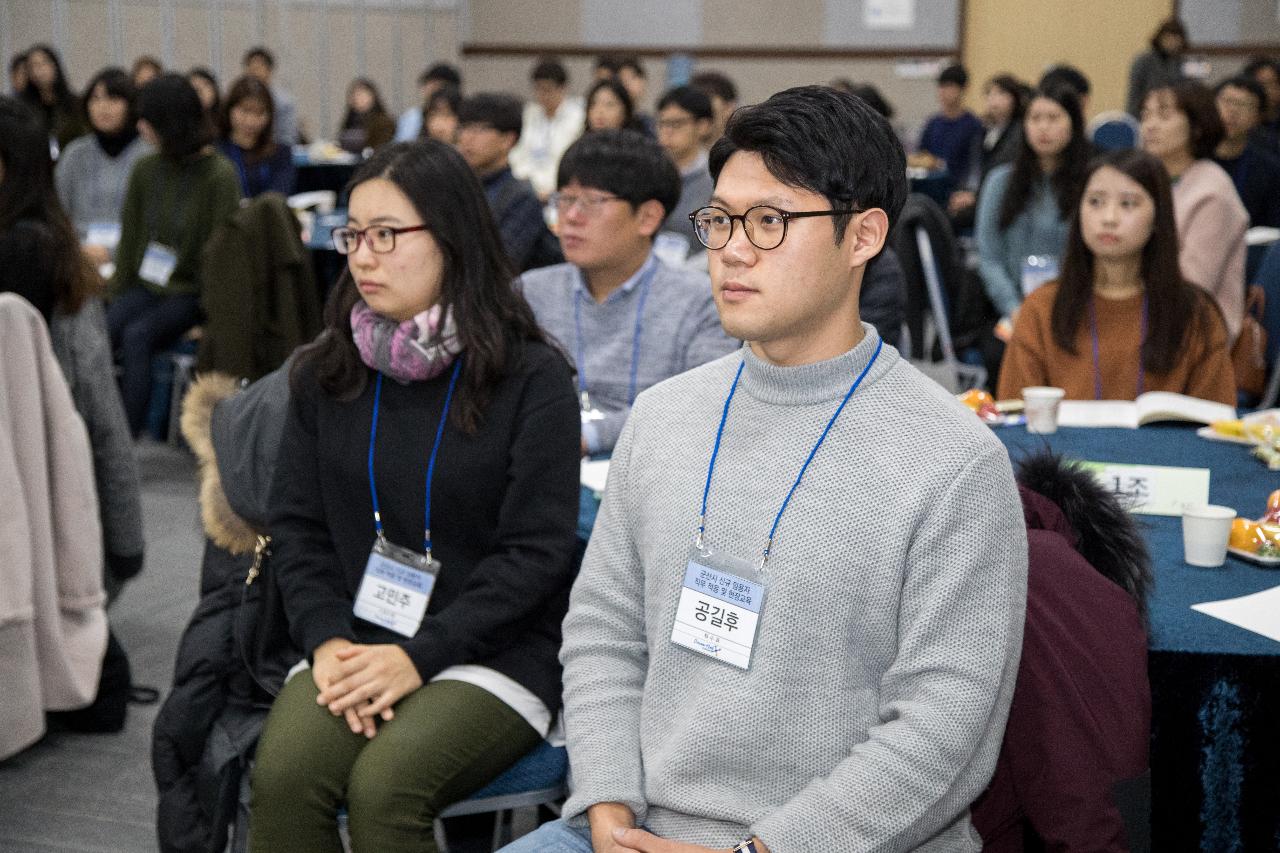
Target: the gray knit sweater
pixel 875 704
pixel 680 329
pixel 91 183
pixel 84 352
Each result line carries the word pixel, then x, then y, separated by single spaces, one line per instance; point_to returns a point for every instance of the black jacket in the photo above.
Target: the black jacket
pixel 205 733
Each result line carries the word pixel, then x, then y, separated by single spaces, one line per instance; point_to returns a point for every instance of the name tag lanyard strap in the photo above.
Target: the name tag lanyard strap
pixel 706 490
pixel 581 354
pixel 1142 340
pixel 431 463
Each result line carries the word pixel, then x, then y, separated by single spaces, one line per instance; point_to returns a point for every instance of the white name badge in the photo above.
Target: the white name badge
pixel 1037 271
pixel 158 264
pixel 719 609
pixel 103 234
pixel 396 588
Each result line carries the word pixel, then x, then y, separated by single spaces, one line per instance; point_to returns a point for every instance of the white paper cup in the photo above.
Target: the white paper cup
pixel 1205 531
pixel 1041 406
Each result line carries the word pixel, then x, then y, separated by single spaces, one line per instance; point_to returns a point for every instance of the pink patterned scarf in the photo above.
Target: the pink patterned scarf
pixel 411 351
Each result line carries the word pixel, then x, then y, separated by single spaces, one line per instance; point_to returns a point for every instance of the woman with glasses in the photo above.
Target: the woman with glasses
pixel 628 318
pixel 425 506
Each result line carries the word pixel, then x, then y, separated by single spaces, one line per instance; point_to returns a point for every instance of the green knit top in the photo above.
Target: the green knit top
pixel 176 204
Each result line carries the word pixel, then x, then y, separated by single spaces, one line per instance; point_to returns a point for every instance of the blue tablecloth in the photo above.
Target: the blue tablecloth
pixel 1215 688
pixel 1236 480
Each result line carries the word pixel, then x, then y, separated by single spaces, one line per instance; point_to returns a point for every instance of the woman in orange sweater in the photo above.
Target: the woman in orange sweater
pixel 1121 320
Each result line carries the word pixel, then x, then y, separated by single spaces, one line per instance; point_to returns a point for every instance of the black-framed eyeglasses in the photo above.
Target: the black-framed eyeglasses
pixel 381 238
pixel 764 225
pixel 588 203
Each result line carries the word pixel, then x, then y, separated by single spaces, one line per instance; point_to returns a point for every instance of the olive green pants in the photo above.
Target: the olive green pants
pixel 448 739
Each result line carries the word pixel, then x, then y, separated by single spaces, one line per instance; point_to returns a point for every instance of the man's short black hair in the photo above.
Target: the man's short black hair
pixel 502 112
pixel 633 62
pixel 442 71
pixel 1247 84
pixel 19 59
pixel 550 68
pixel 689 99
pixel 623 162
pixel 954 75
pixel 1065 75
pixel 259 52
pixel 716 84
pixel 825 141
pixel 607 62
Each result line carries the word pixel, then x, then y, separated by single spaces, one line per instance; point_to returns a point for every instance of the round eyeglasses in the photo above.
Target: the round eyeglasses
pixel 381 238
pixel 765 226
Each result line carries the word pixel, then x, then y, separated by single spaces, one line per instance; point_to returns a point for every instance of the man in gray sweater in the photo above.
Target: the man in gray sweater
pixel 798 622
pixel 627 319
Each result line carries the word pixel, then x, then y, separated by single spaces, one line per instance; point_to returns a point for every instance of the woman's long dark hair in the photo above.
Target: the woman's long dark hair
pixel 27 194
pixel 1066 179
pixel 169 103
pixel 620 92
pixel 63 98
pixel 1173 304
pixel 354 119
pixel 492 318
pixel 244 89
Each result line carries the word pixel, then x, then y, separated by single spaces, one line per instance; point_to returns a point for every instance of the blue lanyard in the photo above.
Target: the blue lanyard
pixel 581 352
pixel 715 451
pixel 431 464
pixel 1097 370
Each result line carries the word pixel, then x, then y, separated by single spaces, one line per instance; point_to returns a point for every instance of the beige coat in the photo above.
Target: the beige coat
pixel 53 625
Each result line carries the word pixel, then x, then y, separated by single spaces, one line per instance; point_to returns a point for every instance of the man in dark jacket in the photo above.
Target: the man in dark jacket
pixel 1081 715
pixel 489 126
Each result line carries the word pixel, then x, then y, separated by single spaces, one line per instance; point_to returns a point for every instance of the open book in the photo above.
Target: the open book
pixel 1149 408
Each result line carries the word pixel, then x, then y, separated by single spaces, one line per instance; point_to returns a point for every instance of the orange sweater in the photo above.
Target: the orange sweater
pixel 1033 358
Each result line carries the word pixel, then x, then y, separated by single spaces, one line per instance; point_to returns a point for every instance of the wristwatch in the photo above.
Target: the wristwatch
pixel 747 846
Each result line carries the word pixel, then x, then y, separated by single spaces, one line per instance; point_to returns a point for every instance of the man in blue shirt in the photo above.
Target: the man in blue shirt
pixel 488 128
pixel 950 135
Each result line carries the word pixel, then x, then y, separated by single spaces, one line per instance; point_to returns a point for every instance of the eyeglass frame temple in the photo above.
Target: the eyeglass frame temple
pixel 787 216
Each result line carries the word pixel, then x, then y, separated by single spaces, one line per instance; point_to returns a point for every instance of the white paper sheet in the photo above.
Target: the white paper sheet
pixel 594 475
pixel 1259 613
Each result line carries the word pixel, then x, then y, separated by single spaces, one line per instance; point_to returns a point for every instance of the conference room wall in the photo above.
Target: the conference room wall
pixel 1023 37
pixel 319 44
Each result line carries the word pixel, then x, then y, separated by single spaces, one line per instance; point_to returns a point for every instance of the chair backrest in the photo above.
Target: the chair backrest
pixel 1113 130
pixel 935 280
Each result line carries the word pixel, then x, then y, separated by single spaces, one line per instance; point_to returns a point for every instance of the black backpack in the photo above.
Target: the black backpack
pixel 116 691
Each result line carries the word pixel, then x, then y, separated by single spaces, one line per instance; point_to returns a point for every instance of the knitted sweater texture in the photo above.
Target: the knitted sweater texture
pixel 888 646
